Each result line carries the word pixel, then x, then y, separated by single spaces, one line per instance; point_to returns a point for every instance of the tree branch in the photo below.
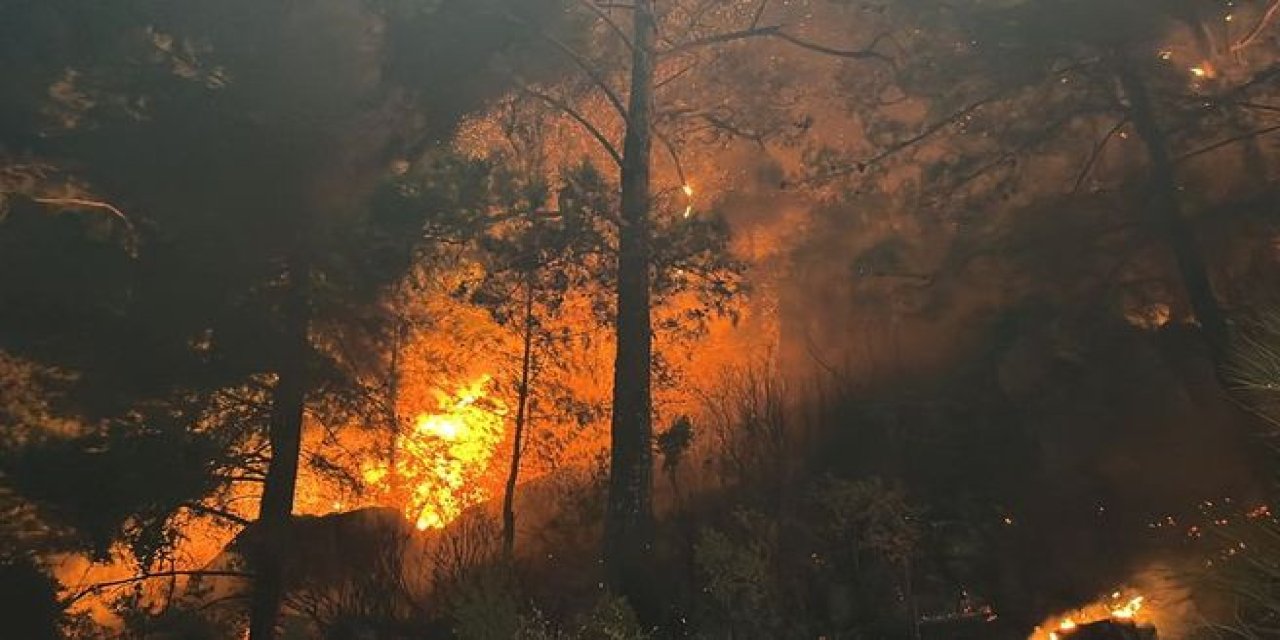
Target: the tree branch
pixel 1258 28
pixel 866 53
pixel 776 31
pixel 204 510
pixel 1098 148
pixel 88 204
pixel 1227 142
pixel 589 69
pixel 673 77
pixel 1262 77
pixel 577 116
pixel 755 19
pixel 675 156
pixel 733 129
pixel 902 145
pixel 92 589
pixel 1258 106
pixel 721 38
pixel 599 11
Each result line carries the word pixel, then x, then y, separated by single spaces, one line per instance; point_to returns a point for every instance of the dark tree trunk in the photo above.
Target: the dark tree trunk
pixel 285 438
pixel 1165 210
pixel 522 418
pixel 629 511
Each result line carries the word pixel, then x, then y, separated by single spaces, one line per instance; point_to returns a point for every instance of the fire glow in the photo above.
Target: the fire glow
pixel 440 463
pixel 1119 607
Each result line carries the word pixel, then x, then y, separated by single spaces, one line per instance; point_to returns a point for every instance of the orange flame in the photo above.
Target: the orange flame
pixel 1117 607
pixel 440 463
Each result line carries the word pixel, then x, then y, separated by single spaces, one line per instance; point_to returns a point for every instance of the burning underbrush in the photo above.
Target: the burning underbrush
pixel 1120 610
pixel 436 469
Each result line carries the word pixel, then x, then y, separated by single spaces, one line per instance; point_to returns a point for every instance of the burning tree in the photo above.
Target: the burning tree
pixel 247 186
pixel 629 512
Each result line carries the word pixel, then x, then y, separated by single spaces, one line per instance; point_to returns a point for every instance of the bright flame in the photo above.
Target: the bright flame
pixel 1117 607
pixel 688 192
pixel 1204 70
pixel 439 464
pixel 1129 609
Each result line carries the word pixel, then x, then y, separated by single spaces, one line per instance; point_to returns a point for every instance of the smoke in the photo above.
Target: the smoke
pixel 1030 354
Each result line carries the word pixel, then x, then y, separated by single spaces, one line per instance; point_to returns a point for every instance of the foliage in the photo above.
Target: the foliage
pixel 1245 574
pixel 868 516
pixel 486 605
pixel 28 600
pixel 674 442
pixel 1255 369
pixel 737 573
pixel 106 489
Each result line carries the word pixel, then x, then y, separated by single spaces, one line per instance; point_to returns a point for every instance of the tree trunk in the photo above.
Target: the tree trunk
pixel 629 511
pixel 1166 211
pixel 285 437
pixel 517 439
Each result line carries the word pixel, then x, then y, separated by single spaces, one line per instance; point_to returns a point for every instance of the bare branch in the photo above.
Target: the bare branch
pixel 599 11
pixel 205 510
pixel 595 76
pixel 92 589
pixel 89 204
pixel 1227 142
pixel 675 156
pixel 577 116
pixel 1258 106
pixel 589 69
pixel 866 53
pixel 776 31
pixel 1098 148
pixel 1257 29
pixel 675 76
pixel 902 145
pixel 1262 77
pixel 131 235
pixel 755 19
pixel 721 38
pixel 733 129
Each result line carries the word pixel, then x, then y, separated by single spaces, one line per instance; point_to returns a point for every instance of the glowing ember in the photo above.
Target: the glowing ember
pixel 1117 607
pixel 1204 70
pixel 439 464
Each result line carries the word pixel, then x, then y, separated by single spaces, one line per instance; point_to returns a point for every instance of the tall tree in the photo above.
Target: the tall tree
pixel 629 510
pixel 1012 89
pixel 242 142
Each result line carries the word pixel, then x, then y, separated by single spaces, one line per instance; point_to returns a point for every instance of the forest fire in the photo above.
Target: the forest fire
pixel 487 318
pixel 1119 608
pixel 436 467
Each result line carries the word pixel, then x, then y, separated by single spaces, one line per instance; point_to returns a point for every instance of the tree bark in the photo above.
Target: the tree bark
pixel 1165 209
pixel 629 510
pixel 522 417
pixel 285 437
